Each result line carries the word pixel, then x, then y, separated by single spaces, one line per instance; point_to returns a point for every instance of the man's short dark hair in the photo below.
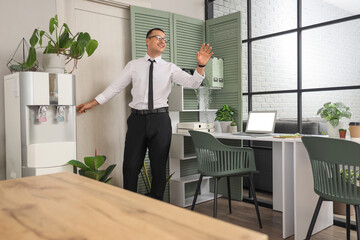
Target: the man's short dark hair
pixel 150 31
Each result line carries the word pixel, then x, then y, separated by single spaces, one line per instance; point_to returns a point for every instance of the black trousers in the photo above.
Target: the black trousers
pixel 150 131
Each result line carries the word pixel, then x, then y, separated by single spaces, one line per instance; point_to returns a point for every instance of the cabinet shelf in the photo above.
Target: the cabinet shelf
pixel 189 156
pixel 190 178
pixel 182 149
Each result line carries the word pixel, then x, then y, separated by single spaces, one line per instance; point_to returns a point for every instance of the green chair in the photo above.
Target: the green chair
pixel 335 165
pixel 218 160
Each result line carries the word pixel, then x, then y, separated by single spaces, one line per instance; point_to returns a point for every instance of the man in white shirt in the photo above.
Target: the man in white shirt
pixel 149 125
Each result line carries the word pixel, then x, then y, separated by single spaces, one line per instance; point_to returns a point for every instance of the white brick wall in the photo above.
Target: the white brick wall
pixel 331 55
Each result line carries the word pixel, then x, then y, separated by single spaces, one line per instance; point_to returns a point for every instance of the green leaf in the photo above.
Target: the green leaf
pixel 50 48
pixel 31 59
pixel 41 35
pixel 64 40
pixel 94 162
pixel 74 50
pixel 91 47
pixel 79 164
pixel 91 174
pixel 83 39
pixel 67 28
pixel 53 22
pixel 169 177
pixel 108 172
pixel 99 160
pixel 100 174
pixel 81 172
pixel 108 180
pixel 34 38
pixel 90 162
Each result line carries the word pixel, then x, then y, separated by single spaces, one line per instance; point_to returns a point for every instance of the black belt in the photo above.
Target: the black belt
pixel 144 112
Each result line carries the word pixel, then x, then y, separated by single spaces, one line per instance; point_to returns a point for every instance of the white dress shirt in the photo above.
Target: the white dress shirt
pixel 137 73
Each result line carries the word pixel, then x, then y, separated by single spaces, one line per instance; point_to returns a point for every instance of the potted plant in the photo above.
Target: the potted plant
pixel 340 208
pixel 64 46
pixel 91 168
pixel 147 181
pixel 342 133
pixel 332 113
pixel 225 116
pixel 233 127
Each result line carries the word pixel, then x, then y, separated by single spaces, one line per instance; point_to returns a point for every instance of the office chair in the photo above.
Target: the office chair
pixel 218 160
pixel 335 165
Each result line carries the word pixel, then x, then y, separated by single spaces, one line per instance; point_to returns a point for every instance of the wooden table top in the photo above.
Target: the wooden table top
pixel 69 206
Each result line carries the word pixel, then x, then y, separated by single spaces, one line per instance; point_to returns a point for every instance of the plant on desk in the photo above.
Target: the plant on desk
pixel 225 116
pixel 342 133
pixel 91 168
pixel 332 113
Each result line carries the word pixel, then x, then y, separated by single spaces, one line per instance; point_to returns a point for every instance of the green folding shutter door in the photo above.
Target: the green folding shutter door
pixel 189 34
pixel 144 19
pixel 224 35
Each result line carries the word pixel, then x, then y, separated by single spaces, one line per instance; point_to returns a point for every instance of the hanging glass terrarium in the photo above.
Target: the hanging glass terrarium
pixel 18 59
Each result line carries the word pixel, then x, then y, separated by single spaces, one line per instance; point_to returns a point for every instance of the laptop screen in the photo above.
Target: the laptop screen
pixel 261 122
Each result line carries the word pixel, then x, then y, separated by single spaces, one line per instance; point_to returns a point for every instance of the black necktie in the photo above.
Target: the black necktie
pixel 150 93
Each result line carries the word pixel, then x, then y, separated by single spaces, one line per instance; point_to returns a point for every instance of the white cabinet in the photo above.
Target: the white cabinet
pixel 179 153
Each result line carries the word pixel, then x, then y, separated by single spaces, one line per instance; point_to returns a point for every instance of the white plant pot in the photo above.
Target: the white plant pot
pixel 53 63
pixel 233 129
pixel 217 127
pixel 225 126
pixel 333 132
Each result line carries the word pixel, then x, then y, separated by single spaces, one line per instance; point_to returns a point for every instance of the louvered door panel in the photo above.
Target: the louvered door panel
pixel 224 35
pixel 144 19
pixel 189 34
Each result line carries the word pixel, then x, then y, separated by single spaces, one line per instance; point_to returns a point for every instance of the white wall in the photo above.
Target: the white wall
pixel 190 8
pixel 18 19
pixel 330 55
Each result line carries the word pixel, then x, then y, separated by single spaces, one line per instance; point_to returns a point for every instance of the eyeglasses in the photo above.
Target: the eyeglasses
pixel 159 38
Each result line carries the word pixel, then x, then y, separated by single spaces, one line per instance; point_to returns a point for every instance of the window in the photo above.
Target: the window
pixel 295 67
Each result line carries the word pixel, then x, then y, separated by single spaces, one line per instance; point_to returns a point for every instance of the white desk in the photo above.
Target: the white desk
pixel 293 186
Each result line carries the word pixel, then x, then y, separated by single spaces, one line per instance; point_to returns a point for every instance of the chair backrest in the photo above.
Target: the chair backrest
pixel 336 166
pixel 217 159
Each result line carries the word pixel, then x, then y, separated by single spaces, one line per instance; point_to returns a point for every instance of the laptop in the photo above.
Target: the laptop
pixel 259 123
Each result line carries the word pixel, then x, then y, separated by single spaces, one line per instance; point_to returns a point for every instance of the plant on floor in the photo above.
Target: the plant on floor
pixel 225 113
pixel 91 168
pixel 352 175
pixel 146 178
pixel 73 46
pixel 333 112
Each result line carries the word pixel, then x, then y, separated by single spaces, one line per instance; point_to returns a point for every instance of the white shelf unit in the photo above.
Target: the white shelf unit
pixel 177 183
